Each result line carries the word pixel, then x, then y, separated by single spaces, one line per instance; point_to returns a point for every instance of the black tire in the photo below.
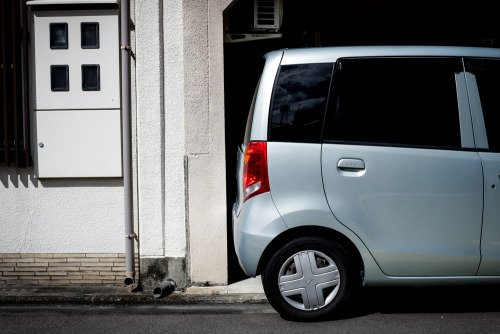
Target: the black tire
pixel 323 276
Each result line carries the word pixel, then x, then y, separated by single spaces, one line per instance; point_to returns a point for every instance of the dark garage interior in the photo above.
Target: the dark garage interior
pixel 321 23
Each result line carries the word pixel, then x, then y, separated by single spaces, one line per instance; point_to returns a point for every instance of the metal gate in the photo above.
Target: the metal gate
pixel 14 125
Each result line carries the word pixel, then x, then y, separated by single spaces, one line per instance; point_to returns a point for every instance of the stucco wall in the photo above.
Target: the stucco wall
pixel 160 128
pixel 150 127
pixel 60 215
pixel 175 178
pixel 180 134
pixel 205 148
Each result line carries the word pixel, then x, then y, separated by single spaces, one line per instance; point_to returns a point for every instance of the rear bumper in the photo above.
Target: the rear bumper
pixel 257 224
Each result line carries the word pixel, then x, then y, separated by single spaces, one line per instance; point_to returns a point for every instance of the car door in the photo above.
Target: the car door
pixel 483 82
pixel 398 164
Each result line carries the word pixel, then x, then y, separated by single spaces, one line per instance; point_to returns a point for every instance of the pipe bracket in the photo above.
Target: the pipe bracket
pixel 131 236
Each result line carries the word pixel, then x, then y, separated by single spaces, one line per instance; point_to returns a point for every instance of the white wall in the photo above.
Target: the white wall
pixel 150 127
pixel 60 215
pixel 66 215
pixel 174 140
pixel 160 128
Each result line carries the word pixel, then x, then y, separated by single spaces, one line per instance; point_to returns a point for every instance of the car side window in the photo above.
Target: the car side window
pixel 487 72
pixel 395 101
pixel 299 103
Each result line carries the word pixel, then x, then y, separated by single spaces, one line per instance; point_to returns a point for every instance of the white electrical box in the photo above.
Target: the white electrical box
pixel 76 88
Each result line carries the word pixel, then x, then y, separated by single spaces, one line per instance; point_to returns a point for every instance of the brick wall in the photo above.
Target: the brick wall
pixel 62 269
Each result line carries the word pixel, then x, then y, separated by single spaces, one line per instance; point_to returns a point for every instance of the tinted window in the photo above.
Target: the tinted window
pixel 397 101
pixel 248 129
pixel 488 80
pixel 299 102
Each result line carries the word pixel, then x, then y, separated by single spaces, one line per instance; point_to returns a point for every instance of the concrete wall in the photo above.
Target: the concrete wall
pixel 205 143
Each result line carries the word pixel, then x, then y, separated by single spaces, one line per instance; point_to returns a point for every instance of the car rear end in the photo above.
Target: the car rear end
pixel 256 221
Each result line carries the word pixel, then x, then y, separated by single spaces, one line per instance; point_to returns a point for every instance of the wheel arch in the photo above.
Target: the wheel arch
pixel 312 231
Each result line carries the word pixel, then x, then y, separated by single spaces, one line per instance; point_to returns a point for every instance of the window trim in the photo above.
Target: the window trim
pixel 479 124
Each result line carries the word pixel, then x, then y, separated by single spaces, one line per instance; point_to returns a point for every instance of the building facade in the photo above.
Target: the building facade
pixel 193 74
pixel 69 229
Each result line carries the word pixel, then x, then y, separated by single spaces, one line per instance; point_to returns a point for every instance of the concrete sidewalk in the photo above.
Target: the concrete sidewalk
pixel 245 292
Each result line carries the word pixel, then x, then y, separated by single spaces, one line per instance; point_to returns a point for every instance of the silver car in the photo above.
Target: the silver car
pixel 369 166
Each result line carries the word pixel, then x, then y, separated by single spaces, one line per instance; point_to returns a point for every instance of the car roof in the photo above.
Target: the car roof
pixel 331 54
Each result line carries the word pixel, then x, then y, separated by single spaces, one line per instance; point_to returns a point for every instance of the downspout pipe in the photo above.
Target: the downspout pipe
pixel 125 55
pixel 165 288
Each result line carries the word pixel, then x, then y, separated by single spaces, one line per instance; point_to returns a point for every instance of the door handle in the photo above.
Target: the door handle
pixel 351 165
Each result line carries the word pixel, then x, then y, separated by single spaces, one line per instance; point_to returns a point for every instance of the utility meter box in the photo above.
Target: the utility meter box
pixel 76 88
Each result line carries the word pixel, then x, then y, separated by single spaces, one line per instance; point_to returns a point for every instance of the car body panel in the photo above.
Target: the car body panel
pixel 490 241
pixel 264 94
pixel 331 54
pixel 254 228
pixel 466 130
pixel 480 137
pixel 418 211
pixel 297 188
pixel 490 237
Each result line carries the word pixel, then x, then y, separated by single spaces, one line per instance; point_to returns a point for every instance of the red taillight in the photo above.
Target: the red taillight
pixel 255 179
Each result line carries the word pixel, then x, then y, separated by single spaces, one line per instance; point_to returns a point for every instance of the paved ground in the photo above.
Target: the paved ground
pixel 243 309
pixel 239 319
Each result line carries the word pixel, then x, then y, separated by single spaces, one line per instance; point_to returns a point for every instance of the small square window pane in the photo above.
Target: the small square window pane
pixel 90 35
pixel 59 78
pixel 58 35
pixel 91 80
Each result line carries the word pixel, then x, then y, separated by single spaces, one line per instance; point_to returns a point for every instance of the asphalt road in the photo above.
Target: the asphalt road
pixel 437 310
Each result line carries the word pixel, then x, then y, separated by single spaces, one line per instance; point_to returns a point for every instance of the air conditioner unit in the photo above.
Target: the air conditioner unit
pixel 268 15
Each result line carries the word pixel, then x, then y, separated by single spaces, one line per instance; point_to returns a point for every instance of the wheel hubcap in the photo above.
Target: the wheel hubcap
pixel 309 280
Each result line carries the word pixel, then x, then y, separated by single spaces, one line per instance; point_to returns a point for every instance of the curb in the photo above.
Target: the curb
pixel 118 296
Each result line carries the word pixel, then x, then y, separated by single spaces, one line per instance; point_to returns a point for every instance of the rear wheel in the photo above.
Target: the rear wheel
pixel 308 279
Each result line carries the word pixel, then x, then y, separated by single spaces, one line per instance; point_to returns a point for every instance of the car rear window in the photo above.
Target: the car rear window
pixel 299 103
pixel 248 129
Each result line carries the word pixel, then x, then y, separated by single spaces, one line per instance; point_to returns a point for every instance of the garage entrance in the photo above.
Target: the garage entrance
pixel 254 27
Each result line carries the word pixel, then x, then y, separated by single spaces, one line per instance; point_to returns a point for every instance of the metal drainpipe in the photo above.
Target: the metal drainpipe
pixel 125 51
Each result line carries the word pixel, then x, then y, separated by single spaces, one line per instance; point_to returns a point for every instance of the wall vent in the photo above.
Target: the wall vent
pixel 268 15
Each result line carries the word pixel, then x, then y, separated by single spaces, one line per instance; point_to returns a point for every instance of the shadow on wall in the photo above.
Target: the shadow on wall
pixel 15 178
pixel 25 178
